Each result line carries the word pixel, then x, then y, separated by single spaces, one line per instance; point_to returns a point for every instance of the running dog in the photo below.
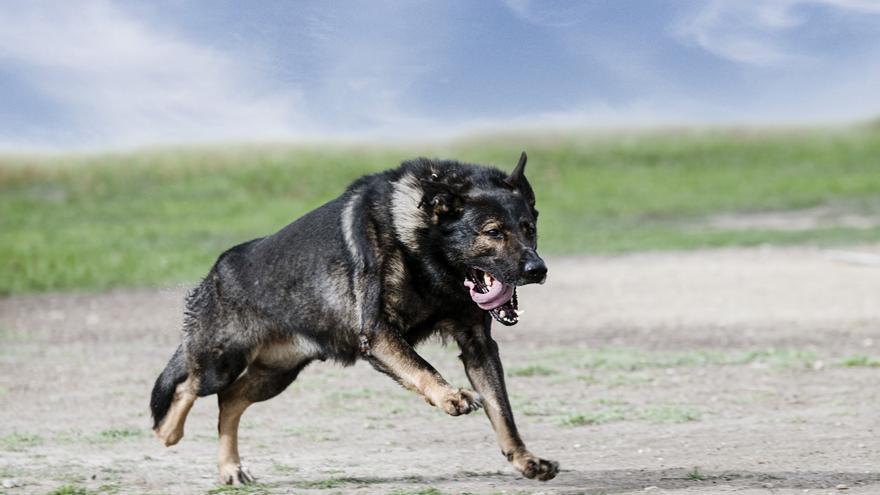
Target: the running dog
pixel 431 247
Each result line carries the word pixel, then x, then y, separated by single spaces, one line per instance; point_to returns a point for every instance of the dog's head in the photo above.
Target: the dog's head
pixel 485 223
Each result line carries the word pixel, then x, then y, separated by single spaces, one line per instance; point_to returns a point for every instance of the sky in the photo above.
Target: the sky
pixel 103 74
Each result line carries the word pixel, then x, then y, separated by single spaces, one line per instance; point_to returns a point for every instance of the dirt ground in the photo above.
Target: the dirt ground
pixel 735 371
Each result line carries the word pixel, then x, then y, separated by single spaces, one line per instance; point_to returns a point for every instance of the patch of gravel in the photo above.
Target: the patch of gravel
pixel 820 217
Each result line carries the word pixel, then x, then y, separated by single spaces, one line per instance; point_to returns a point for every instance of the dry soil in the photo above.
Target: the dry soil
pixel 734 371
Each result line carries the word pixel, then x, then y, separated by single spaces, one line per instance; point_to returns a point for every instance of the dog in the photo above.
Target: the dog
pixel 431 247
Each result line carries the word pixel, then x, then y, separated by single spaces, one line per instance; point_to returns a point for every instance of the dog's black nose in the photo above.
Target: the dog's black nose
pixel 535 270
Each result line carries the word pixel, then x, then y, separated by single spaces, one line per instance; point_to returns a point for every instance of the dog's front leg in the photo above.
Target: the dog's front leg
pixel 479 353
pixel 391 354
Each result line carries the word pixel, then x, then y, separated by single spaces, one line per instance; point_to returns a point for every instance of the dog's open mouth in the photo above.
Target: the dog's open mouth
pixel 498 298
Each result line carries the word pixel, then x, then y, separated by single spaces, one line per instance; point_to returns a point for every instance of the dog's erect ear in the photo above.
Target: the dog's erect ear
pixel 446 206
pixel 441 202
pixel 519 173
pixel 517 180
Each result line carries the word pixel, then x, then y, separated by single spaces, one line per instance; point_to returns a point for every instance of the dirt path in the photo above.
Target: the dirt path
pixel 734 371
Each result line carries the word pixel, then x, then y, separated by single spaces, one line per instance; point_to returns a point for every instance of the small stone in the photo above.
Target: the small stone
pixel 650 488
pixel 9 483
pixel 842 487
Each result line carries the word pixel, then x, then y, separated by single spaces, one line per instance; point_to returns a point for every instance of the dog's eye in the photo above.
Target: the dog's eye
pixel 494 233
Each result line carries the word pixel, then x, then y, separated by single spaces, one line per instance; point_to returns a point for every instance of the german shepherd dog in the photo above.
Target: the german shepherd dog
pixel 431 247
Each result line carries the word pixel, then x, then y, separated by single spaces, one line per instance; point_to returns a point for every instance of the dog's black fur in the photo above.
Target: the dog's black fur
pixel 368 275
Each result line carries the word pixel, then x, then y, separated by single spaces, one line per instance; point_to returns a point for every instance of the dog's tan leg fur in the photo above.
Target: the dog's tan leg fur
pixel 170 431
pixel 483 367
pixel 400 360
pixel 228 460
pixel 233 402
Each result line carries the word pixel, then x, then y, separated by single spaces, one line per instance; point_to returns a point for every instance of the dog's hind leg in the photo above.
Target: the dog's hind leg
pixel 170 430
pixel 258 383
pixel 173 396
pixel 187 378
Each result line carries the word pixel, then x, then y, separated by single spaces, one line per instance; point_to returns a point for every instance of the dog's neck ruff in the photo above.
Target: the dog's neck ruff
pixel 489 293
pixel 406 215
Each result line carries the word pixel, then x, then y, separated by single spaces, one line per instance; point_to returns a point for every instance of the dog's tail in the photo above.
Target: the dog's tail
pixel 163 391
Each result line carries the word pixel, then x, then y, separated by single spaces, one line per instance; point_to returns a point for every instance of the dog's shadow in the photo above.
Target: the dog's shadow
pixel 608 481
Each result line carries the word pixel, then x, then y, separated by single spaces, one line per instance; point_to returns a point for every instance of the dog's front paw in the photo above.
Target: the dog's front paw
pixel 460 401
pixel 533 467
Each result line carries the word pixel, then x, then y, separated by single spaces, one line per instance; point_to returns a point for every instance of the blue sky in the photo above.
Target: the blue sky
pixel 95 74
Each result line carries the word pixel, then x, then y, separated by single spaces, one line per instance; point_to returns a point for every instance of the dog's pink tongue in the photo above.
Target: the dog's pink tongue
pixel 497 295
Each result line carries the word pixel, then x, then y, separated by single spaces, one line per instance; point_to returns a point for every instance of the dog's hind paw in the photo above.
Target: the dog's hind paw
pixel 235 474
pixel 460 401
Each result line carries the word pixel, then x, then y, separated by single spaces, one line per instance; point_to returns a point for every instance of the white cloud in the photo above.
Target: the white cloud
pixel 867 6
pixel 754 33
pixel 127 83
pixel 548 13
pixel 744 32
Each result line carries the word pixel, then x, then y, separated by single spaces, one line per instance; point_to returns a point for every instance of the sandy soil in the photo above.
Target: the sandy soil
pixel 703 372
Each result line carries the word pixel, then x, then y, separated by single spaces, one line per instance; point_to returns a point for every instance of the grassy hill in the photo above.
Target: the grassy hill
pixel 162 216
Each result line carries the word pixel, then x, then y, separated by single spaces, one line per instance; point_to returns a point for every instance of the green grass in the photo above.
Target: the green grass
pixel 162 216
pixel 285 469
pixel 18 441
pixel 251 489
pixel 331 483
pixel 696 475
pixel 859 361
pixel 664 414
pixel 117 434
pixel 420 491
pixel 631 359
pixel 324 484
pixel 531 370
pixel 669 414
pixel 594 418
pixel 71 490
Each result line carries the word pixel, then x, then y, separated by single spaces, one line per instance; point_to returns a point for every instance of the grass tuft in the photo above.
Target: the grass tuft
pixel 669 414
pixel 532 370
pixel 250 489
pixel 860 361
pixel 71 490
pixel 630 359
pixel 420 491
pixel 593 418
pixel 696 475
pixel 17 441
pixel 116 434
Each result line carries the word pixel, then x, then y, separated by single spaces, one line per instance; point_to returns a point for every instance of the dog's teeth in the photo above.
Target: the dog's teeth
pixel 488 279
pixel 518 312
pixel 502 314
